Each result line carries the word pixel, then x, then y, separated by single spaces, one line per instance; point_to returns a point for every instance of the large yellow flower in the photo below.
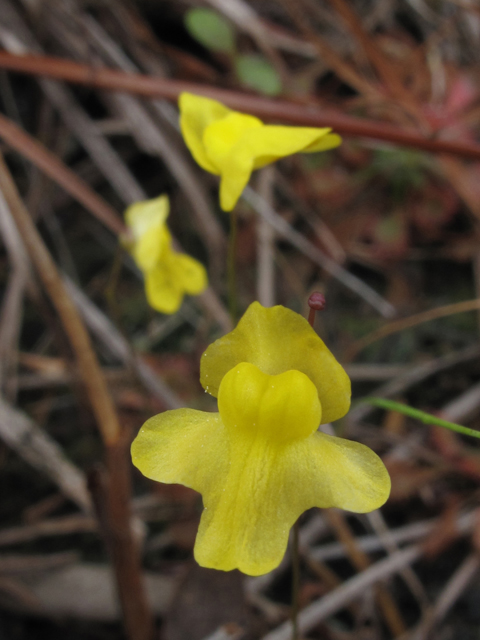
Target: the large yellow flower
pixel 168 274
pixel 232 144
pixel 260 462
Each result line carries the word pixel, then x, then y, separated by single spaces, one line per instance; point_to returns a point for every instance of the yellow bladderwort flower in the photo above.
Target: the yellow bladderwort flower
pixel 232 144
pixel 260 462
pixel 168 274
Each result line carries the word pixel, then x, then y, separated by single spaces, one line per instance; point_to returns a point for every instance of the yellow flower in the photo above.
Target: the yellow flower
pixel 260 462
pixel 232 144
pixel 168 274
pixel 277 339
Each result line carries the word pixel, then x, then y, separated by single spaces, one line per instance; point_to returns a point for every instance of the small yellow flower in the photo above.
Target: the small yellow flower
pixel 168 274
pixel 232 144
pixel 260 462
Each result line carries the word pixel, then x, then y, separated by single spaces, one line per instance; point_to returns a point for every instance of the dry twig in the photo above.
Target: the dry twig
pixel 135 608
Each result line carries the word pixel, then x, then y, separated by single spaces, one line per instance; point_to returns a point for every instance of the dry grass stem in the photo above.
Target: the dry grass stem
pixel 138 619
pixel 411 321
pixel 316 255
pixel 20 433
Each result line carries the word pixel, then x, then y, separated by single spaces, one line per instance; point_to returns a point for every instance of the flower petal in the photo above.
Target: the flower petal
pixel 240 143
pixel 147 222
pixel 247 527
pixel 268 488
pixel 330 141
pixel 223 139
pixel 184 446
pixel 280 408
pixel 274 142
pixel 276 340
pixel 190 273
pixel 164 292
pixel 196 113
pixel 236 172
pixel 174 275
pixel 221 136
pixel 342 473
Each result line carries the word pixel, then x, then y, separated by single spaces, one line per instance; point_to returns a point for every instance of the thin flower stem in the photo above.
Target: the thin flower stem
pixel 426 418
pixel 295 580
pixel 231 267
pixel 316 302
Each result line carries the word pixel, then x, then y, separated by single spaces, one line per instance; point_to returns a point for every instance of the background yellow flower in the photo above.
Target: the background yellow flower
pixel 232 144
pixel 168 274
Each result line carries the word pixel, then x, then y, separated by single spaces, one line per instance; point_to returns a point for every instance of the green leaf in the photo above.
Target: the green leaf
pixel 257 73
pixel 210 29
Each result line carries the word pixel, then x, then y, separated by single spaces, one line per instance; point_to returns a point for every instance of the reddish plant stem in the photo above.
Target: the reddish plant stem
pixel 316 302
pixel 277 110
pixel 137 616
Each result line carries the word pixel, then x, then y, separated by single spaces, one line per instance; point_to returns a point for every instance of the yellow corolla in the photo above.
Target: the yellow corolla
pixel 232 144
pixel 168 274
pixel 277 339
pixel 258 463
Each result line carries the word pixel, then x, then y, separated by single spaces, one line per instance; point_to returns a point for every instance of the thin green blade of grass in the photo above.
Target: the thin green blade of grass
pixel 423 416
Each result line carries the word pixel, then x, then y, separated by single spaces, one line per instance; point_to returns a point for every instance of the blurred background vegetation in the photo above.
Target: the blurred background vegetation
pixel 386 227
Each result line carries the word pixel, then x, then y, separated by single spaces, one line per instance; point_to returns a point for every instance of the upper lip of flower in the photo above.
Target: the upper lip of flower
pixel 277 339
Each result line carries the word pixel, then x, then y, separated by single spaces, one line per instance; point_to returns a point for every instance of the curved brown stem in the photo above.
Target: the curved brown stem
pixel 277 110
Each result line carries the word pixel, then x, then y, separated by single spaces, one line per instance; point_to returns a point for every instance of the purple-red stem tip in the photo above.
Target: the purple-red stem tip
pixel 316 302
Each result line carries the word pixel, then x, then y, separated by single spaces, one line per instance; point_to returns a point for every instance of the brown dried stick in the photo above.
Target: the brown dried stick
pixel 361 561
pixel 136 611
pixel 94 380
pixel 380 62
pixel 353 588
pixel 48 162
pixel 306 115
pixel 411 321
pixel 37 448
pixel 298 13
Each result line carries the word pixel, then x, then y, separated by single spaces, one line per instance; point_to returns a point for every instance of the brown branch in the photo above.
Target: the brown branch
pixel 49 163
pixel 92 375
pixel 289 112
pixel 385 70
pixel 408 323
pixel 344 70
pixel 361 561
pixel 137 616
